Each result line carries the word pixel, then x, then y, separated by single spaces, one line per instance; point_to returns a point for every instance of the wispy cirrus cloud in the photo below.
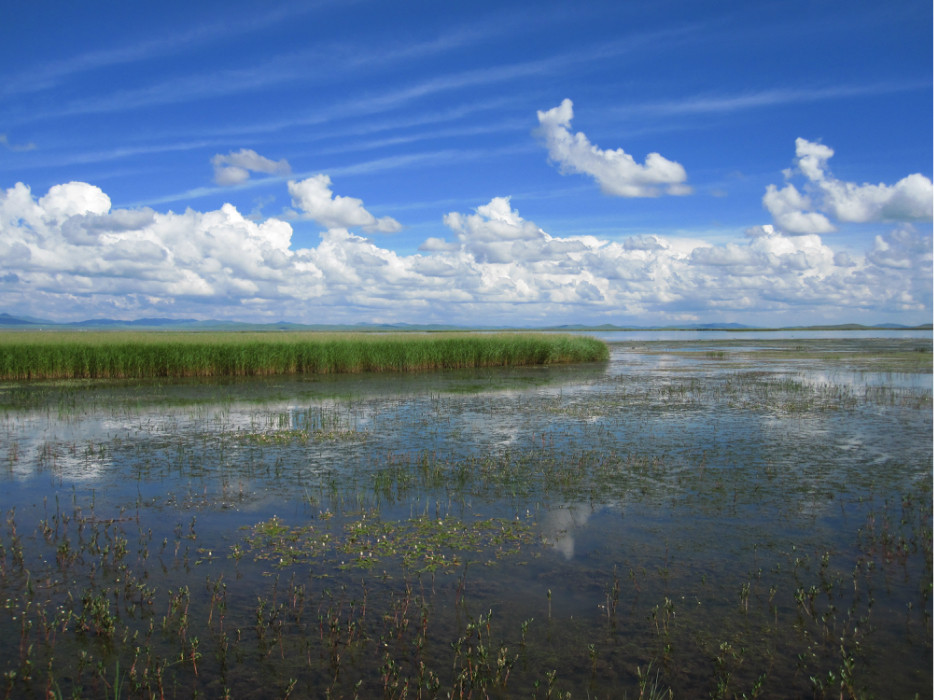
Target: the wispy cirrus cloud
pixel 760 99
pixel 294 67
pixel 121 152
pixel 6 143
pixel 53 73
pixel 410 160
pixel 286 68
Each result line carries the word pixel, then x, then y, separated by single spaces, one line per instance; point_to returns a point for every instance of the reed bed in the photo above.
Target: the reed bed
pixel 119 355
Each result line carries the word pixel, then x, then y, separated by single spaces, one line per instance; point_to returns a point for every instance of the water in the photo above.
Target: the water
pixel 653 335
pixel 738 514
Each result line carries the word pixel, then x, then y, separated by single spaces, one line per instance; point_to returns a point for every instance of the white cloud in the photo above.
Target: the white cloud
pixel 68 254
pixel 235 167
pixel 73 198
pixel 644 243
pixel 314 197
pixel 910 199
pixel 435 245
pixel 70 242
pixel 615 171
pixel 726 103
pixel 789 210
pixel 901 249
pixel 5 141
pixel 497 234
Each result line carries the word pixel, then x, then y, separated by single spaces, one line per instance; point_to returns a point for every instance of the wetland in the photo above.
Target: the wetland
pixel 741 517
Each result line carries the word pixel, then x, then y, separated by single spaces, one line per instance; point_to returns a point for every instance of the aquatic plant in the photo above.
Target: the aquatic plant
pixel 123 355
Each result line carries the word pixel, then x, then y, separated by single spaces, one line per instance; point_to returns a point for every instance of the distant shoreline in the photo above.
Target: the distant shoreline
pixel 8 322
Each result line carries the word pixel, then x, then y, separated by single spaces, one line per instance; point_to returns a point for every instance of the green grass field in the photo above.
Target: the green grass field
pixel 133 355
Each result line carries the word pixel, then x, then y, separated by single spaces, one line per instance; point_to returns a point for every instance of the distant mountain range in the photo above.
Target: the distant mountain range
pixel 27 322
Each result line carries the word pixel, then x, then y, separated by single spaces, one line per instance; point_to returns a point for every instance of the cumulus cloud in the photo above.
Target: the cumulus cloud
pixel 497 234
pixel 615 171
pixel 65 201
pixel 644 243
pixel 769 250
pixel 789 209
pixel 900 249
pixel 69 252
pixel 316 199
pixel 235 167
pixel 69 242
pixel 826 197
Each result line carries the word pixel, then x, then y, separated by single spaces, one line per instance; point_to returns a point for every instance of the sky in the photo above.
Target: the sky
pixel 503 163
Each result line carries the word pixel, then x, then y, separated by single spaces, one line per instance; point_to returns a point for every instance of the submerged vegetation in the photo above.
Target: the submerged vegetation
pixel 129 355
pixel 679 522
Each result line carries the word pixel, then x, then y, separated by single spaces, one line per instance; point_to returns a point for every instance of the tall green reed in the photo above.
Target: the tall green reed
pixel 120 355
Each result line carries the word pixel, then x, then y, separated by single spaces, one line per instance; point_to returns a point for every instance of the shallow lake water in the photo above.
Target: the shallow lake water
pixel 710 516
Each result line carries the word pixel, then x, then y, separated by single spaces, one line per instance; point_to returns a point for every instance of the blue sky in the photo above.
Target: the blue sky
pixel 474 163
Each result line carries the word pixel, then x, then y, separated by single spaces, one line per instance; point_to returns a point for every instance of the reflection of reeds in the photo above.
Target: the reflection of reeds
pixel 144 355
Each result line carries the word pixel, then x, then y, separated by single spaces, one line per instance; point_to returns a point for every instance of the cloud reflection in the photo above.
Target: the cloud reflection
pixel 560 524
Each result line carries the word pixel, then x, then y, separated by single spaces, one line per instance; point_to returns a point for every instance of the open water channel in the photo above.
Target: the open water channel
pixel 700 516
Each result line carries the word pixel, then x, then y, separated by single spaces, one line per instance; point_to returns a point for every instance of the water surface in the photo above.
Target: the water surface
pixel 715 516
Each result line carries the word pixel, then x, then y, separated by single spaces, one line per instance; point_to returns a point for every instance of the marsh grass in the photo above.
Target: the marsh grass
pixel 123 355
pixel 421 544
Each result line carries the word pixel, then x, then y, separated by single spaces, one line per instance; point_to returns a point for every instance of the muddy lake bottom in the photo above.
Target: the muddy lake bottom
pixel 689 519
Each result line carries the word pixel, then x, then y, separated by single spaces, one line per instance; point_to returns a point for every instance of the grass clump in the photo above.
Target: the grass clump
pixel 422 544
pixel 153 355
